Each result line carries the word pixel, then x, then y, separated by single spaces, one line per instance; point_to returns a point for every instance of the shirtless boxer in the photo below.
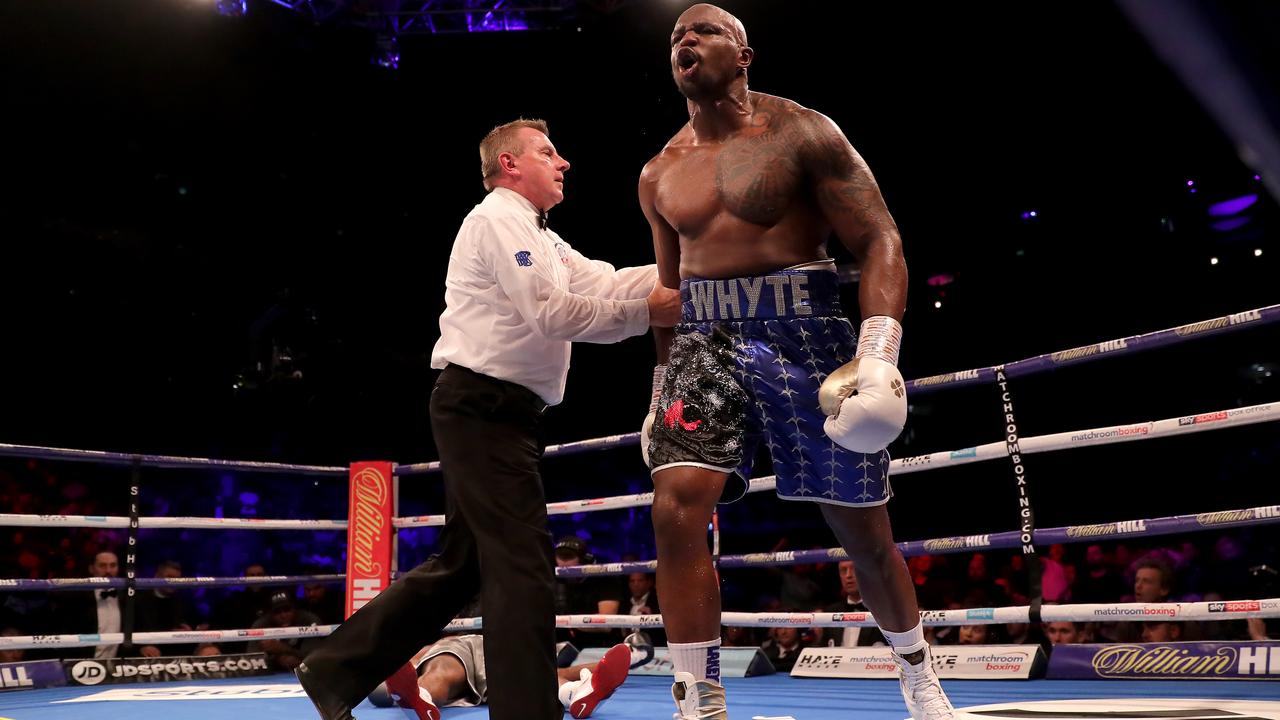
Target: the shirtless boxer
pixel 741 202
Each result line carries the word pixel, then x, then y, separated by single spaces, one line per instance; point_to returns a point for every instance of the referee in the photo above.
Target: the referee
pixel 516 295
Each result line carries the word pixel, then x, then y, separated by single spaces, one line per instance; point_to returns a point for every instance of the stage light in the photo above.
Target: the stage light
pixel 231 8
pixel 386 52
pixel 1230 207
pixel 1213 261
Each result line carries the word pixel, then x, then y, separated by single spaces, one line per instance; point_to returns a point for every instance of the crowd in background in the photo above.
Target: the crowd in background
pixel 1205 566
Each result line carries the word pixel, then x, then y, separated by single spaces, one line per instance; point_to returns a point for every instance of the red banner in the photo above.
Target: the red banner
pixel 368 533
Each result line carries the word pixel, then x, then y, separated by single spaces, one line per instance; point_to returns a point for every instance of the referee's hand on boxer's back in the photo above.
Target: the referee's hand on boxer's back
pixel 664 306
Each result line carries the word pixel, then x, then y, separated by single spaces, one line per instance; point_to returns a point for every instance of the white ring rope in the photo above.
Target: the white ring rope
pixel 1187 424
pixel 569 448
pixel 173 523
pixel 1266 412
pixel 1142 612
pixel 1136 612
pixel 27 642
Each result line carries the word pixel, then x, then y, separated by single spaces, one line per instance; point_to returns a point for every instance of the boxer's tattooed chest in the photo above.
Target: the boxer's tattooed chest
pixel 759 176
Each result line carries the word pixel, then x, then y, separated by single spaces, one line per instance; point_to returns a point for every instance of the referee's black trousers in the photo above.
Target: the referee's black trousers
pixel 494 542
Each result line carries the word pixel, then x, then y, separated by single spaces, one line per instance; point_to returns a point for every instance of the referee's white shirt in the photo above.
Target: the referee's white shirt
pixel 515 296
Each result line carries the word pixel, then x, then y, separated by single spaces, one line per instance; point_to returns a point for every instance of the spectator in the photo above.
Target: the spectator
pixel 98 611
pixel 242 608
pixel 1152 583
pixel 784 649
pixel 852 602
pixel 6 655
pixel 1067 632
pixel 1026 634
pixel 317 600
pixel 1054 586
pixel 642 599
pixel 284 654
pixel 585 596
pixel 943 634
pixel 1100 583
pixel 1257 629
pixel 1161 632
pixel 737 636
pixel 1228 573
pixel 162 610
pixel 981 588
pixel 975 635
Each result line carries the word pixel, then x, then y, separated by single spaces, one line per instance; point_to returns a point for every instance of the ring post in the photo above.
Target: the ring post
pixel 369 536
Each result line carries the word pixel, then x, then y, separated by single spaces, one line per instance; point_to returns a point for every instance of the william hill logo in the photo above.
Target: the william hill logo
pixel 1115 528
pixel 1225 517
pixel 1136 660
pixel 957 543
pixel 1082 352
pixel 947 378
pixel 1239 318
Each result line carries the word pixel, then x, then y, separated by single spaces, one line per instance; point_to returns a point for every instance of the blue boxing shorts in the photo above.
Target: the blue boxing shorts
pixel 745 367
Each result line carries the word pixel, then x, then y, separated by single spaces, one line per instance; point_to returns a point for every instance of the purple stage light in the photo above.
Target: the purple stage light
pixel 1232 206
pixel 231 8
pixel 495 18
pixel 386 52
pixel 1230 224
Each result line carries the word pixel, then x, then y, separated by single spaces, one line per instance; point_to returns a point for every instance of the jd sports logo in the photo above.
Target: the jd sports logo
pixel 88 672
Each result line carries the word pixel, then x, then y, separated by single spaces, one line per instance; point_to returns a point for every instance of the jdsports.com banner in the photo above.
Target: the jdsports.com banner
pixel 968 662
pixel 1168 661
pixel 131 670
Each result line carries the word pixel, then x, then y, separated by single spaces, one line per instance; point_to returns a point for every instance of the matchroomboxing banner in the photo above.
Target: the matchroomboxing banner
pixel 368 533
pixel 1167 661
pixel 968 662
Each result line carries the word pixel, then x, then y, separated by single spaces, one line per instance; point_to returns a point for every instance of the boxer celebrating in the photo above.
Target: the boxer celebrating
pixel 741 202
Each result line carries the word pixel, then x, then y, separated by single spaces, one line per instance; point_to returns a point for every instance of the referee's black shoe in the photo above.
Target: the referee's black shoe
pixel 329 705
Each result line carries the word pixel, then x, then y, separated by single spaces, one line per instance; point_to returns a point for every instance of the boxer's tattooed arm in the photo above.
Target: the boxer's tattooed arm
pixel 850 200
pixel 846 191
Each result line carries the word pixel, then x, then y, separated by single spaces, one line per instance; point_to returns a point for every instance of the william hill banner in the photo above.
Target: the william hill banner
pixel 1167 661
pixel 368 533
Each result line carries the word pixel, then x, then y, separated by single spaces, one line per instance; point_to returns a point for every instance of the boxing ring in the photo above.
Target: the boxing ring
pixel 770 696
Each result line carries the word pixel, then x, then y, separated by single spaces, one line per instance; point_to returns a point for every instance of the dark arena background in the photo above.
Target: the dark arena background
pixel 224 231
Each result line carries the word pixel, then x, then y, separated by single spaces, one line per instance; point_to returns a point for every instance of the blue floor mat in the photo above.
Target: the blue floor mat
pixel 641 698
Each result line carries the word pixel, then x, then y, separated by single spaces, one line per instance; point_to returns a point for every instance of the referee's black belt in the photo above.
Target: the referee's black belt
pixel 535 401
